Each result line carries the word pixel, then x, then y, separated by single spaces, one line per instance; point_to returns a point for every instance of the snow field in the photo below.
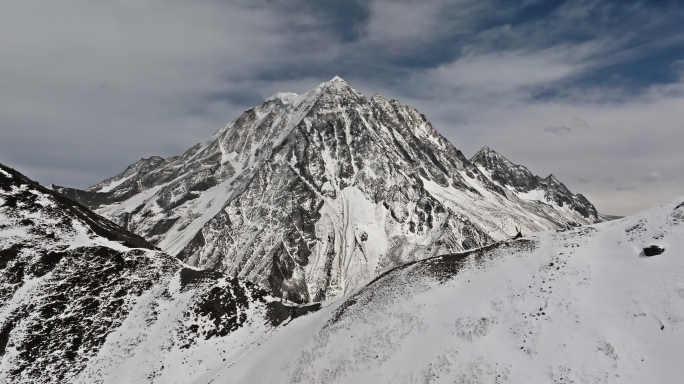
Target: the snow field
pixel 584 306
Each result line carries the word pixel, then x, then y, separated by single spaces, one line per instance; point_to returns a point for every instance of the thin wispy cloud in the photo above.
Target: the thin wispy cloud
pixel 577 122
pixel 651 177
pixel 560 131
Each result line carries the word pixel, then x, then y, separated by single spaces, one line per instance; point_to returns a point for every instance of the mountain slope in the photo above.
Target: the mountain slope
pixel 568 306
pixel 527 186
pixel 314 195
pixel 573 305
pixel 81 297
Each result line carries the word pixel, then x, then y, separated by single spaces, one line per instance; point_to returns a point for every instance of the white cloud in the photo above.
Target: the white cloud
pixel 505 70
pixel 89 87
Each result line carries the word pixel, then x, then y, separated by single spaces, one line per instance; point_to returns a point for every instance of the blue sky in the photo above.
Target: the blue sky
pixel 591 91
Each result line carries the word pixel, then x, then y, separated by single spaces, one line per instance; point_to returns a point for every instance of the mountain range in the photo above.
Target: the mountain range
pixel 85 301
pixel 312 196
pixel 329 238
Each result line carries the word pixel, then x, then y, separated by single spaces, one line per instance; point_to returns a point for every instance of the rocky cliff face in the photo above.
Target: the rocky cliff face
pixel 314 195
pixel 79 296
pixel 526 186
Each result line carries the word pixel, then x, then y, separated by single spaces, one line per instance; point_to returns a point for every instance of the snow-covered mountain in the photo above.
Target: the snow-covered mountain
pixel 315 195
pixel 87 302
pixel 82 300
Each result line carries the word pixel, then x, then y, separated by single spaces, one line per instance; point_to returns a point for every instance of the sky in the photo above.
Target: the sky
pixel 590 91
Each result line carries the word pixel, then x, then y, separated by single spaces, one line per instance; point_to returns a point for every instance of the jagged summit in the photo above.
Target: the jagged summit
pixel 486 150
pixel 335 85
pixel 503 171
pixel 486 155
pixel 521 181
pixel 552 178
pixel 337 82
pixel 340 88
pixel 318 193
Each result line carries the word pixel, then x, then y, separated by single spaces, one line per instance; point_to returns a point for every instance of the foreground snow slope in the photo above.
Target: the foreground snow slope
pixel 576 306
pixel 85 301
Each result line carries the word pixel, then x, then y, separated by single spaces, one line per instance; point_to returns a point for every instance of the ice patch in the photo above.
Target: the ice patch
pixel 208 205
pixel 83 239
pixel 228 157
pixel 536 195
pixel 129 205
pixel 12 232
pixel 355 226
pixel 113 184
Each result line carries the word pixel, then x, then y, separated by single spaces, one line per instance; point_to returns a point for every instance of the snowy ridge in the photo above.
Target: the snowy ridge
pixel 526 186
pixel 82 300
pixel 580 305
pixel 270 196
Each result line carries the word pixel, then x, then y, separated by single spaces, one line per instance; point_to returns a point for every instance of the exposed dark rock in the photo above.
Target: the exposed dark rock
pixel 79 292
pixel 518 177
pixel 189 277
pixel 653 250
pixel 279 312
pixel 9 254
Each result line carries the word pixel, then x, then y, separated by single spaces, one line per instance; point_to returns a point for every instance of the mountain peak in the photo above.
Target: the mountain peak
pixel 489 158
pixel 336 83
pixel 486 151
pixel 552 178
pixel 335 89
pixel 304 163
pixel 291 98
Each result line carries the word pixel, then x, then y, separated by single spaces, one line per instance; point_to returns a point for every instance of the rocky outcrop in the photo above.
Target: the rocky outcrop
pixel 79 295
pixel 525 185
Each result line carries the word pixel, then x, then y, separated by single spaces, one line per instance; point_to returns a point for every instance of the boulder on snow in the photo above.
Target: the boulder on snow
pixel 653 250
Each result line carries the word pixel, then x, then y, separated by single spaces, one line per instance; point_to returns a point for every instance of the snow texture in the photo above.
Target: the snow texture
pixel 570 306
pixel 84 301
